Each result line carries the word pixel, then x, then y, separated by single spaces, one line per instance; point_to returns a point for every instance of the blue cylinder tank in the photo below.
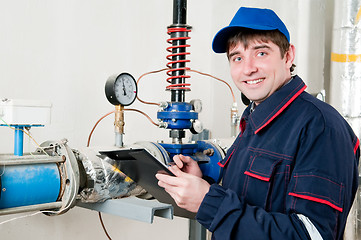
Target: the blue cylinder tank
pixel 23 185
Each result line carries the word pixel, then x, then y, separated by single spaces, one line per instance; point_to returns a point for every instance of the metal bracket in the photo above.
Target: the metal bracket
pixel 132 208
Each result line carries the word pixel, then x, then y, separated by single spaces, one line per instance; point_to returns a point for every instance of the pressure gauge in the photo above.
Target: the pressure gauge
pixel 197 127
pixel 121 89
pixel 196 105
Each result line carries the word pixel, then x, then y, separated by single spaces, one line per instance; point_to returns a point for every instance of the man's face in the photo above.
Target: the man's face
pixel 259 70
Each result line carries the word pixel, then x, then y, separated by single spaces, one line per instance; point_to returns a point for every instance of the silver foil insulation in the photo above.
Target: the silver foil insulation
pixel 105 181
pixel 345 82
pixel 346 62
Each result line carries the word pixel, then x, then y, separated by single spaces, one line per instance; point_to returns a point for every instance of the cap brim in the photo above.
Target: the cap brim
pixel 219 44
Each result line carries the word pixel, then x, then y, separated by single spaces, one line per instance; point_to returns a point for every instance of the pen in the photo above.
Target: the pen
pixel 171 164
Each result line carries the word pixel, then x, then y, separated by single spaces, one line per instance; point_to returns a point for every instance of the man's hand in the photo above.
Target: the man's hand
pixel 187 165
pixel 186 188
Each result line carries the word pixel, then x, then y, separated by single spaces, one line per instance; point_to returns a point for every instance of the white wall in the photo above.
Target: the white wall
pixel 63 52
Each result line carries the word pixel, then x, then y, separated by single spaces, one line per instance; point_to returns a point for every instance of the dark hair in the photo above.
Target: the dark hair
pixel 246 35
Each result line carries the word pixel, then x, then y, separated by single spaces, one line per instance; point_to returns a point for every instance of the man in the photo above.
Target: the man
pixel 292 171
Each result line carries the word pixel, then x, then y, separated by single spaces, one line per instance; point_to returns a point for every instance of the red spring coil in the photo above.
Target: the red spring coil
pixel 179 86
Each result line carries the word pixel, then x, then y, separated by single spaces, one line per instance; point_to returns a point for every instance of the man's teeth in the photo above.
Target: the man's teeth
pixel 255 81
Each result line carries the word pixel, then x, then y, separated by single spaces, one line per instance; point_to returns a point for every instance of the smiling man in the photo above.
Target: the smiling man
pixel 292 171
pixel 259 68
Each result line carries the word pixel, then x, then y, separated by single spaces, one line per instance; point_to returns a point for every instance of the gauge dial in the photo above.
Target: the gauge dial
pixel 197 127
pixel 121 89
pixel 196 105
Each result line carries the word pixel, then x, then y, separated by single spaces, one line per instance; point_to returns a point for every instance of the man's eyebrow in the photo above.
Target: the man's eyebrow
pixel 254 48
pixel 261 46
pixel 232 54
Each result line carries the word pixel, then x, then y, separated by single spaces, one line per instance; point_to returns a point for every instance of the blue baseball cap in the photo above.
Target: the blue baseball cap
pixel 252 18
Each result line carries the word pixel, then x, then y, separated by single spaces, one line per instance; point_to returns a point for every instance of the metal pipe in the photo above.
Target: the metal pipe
pixel 179 11
pixel 9 160
pixel 119 125
pixel 37 207
pixel 345 82
pixel 235 120
pixel 19 140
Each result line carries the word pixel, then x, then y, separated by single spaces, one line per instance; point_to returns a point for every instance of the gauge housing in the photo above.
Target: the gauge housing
pixel 121 89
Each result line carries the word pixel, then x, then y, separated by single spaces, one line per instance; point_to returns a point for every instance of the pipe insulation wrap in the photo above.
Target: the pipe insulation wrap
pixel 346 62
pixel 105 181
pixel 24 185
pixel 345 83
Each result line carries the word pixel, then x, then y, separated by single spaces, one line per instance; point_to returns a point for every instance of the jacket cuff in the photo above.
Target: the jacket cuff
pixel 210 205
pixel 208 179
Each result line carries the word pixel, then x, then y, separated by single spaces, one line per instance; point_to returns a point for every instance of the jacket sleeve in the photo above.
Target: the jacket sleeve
pixel 322 187
pixel 229 217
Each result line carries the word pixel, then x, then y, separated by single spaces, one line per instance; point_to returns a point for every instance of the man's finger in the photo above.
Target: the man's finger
pixel 170 180
pixel 175 170
pixel 185 159
pixel 178 161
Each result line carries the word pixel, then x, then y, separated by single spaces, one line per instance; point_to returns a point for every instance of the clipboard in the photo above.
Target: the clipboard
pixel 141 167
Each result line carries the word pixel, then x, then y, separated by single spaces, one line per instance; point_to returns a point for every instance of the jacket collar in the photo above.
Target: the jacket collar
pixel 275 104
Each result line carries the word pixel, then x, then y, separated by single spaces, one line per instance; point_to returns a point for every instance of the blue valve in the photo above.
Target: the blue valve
pixel 178 115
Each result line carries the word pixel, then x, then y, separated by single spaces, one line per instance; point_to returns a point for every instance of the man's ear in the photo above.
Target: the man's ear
pixel 290 56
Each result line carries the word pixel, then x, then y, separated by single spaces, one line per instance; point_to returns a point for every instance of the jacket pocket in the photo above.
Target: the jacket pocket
pixel 267 178
pixel 317 188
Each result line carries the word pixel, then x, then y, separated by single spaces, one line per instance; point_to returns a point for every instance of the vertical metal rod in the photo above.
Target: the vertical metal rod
pixel 19 141
pixel 179 20
pixel 196 231
pixel 179 11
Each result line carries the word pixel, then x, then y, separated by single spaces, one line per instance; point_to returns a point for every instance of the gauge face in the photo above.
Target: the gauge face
pixel 197 127
pixel 121 89
pixel 197 105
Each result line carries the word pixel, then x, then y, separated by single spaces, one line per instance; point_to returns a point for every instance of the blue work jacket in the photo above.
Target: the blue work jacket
pixel 295 158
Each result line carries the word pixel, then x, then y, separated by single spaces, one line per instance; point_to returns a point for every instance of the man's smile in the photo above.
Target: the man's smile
pixel 251 82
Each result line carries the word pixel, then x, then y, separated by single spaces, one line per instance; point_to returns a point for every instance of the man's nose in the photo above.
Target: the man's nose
pixel 249 67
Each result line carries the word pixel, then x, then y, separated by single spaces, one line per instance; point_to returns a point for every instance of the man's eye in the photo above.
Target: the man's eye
pixel 261 54
pixel 237 59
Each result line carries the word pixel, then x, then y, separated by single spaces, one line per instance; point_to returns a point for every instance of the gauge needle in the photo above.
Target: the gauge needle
pixel 124 92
